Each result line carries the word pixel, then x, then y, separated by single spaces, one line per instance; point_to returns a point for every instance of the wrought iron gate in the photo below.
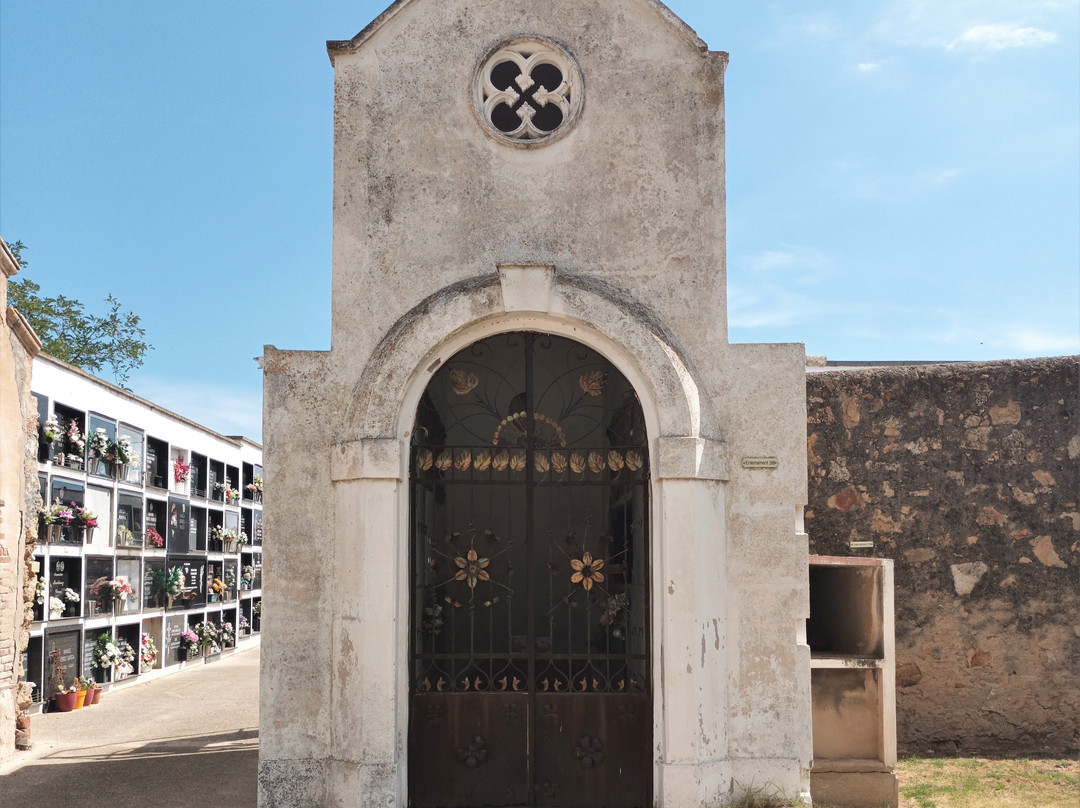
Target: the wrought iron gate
pixel 530 679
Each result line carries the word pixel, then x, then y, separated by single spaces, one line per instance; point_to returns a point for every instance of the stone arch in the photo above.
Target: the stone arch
pixel 529 297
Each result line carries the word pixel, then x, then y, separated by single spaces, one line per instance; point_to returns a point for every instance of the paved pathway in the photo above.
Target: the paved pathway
pixel 190 738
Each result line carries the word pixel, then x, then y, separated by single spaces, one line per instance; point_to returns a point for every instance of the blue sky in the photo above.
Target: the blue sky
pixel 903 176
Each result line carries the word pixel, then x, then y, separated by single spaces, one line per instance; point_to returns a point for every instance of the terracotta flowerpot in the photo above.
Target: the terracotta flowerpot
pixel 65 702
pixel 80 699
pixel 97 694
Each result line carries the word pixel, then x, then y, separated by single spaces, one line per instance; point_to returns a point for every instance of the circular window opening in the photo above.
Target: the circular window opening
pixel 529 90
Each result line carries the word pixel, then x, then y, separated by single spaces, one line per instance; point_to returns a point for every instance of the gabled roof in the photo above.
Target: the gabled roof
pixel 334 46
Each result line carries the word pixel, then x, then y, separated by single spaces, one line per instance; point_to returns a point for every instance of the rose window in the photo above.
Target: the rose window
pixel 529 90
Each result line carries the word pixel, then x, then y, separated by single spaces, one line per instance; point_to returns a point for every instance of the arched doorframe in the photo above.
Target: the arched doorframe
pixel 371 647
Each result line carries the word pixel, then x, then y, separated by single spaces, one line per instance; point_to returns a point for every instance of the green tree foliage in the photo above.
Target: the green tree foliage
pixel 75 336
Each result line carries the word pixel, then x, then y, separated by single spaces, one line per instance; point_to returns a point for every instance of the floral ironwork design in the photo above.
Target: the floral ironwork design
pixel 587 570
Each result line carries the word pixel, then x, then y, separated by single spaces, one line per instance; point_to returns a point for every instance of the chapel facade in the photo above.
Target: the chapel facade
pixel 538 524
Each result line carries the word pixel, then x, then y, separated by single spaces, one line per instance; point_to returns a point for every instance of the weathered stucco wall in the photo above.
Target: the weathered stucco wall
pixel 968 475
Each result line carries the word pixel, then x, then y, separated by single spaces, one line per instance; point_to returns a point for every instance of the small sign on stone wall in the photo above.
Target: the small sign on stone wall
pixel 760 462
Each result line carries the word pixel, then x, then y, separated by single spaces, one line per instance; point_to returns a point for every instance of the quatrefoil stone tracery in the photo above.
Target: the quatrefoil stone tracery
pixel 529 90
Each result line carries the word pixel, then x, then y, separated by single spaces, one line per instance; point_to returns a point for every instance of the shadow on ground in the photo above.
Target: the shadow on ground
pixel 205 770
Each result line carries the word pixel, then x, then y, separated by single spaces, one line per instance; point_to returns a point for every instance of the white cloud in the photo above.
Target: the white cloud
pixel 869 66
pixel 1001 36
pixel 964 23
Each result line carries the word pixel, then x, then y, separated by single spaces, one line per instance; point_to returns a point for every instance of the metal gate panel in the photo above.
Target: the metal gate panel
pixel 530 681
pixel 471 749
pixel 589 750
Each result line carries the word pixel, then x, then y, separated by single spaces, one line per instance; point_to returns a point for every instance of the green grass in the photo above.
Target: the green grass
pixel 985 783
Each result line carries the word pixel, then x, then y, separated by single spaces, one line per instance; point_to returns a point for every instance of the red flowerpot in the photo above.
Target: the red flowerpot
pixel 65 702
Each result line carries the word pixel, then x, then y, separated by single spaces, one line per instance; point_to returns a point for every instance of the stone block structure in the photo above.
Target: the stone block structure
pixel 968 475
pixel 538 524
pixel 18 507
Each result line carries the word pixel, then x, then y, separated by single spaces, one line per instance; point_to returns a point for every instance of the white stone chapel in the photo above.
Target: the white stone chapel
pixel 537 524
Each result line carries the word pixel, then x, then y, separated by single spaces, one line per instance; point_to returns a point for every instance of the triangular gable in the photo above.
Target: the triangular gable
pixel 346 45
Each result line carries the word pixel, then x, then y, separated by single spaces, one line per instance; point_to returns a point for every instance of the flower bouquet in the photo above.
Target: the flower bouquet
pixel 208 635
pixel 189 642
pixel 218 589
pixel 167 585
pixel 120 451
pixel 125 666
pixel 124 537
pixel 57 517
pixel 39 590
pixel 181 470
pixel 106 652
pixel 227 635
pixel 56 608
pixel 76 443
pixel 97 444
pixel 147 652
pixel 154 539
pixel 86 519
pixel 51 429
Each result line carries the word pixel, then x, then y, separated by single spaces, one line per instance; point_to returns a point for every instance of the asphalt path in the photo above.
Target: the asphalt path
pixel 189 738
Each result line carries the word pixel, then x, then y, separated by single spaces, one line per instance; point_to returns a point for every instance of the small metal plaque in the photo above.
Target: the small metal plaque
pixel 860 545
pixel 760 462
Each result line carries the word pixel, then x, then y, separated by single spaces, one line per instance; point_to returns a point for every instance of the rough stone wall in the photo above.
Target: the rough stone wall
pixel 968 475
pixel 18 508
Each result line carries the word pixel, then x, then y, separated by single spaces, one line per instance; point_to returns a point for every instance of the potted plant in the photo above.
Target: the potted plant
pixel 80 693
pixel 63 696
pixel 90 688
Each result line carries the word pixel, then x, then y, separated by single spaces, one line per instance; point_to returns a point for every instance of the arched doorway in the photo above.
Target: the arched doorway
pixel 530 680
